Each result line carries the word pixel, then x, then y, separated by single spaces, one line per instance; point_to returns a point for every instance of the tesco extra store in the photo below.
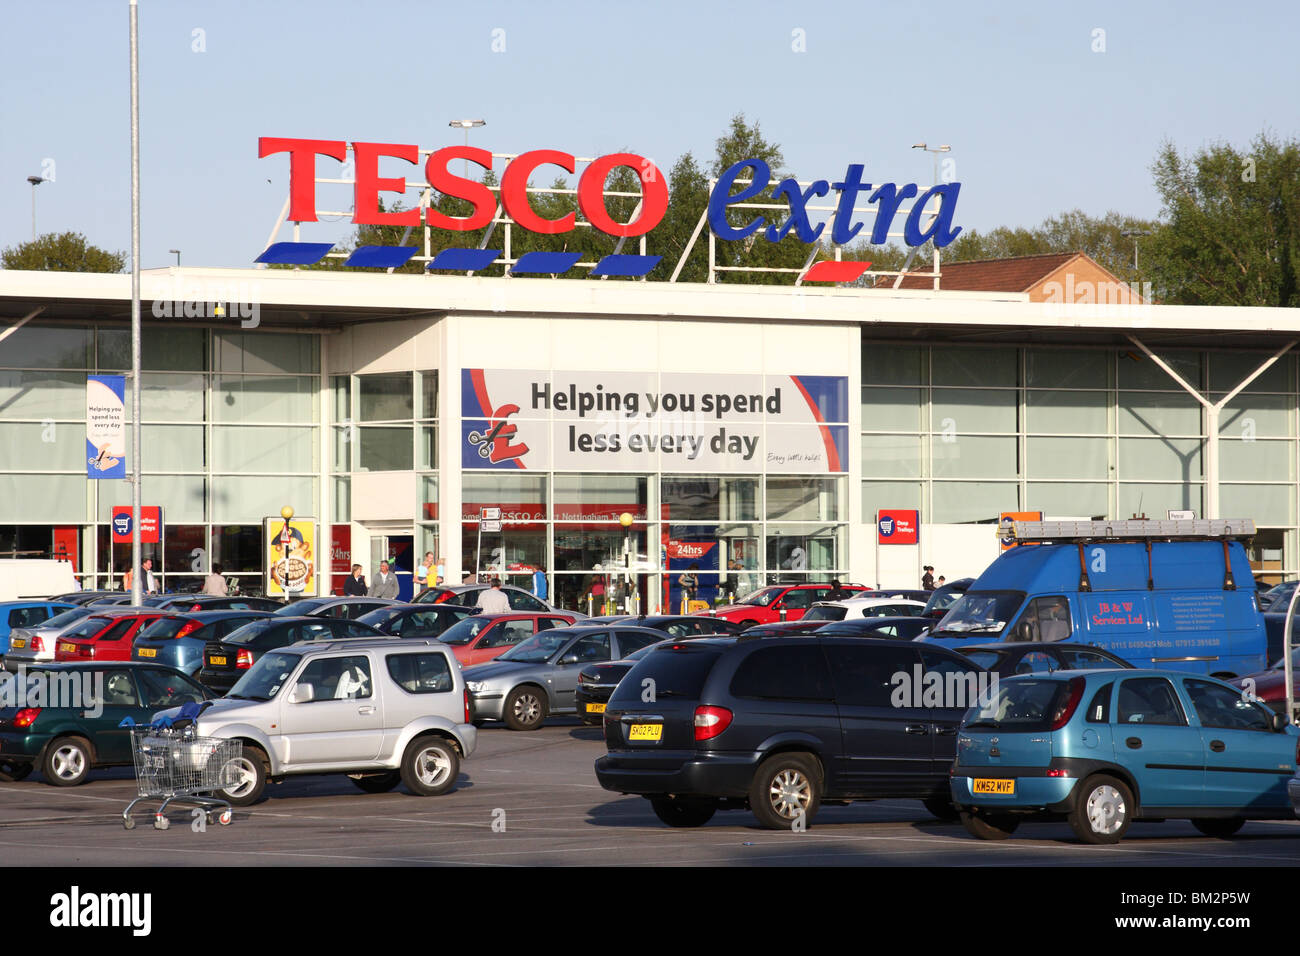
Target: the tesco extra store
pixel 753 431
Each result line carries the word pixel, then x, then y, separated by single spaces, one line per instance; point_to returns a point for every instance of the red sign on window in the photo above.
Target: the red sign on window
pixel 898 527
pixel 150 524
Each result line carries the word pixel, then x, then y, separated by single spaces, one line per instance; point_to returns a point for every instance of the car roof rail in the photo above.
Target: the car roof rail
pixel 353 643
pixel 1134 529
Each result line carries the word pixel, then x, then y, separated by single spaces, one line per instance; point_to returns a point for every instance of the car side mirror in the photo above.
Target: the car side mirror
pixel 569 658
pixel 303 693
pixel 1280 722
pixel 1026 631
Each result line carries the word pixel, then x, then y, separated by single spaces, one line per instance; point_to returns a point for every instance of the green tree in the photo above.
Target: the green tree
pixel 1232 235
pixel 62 252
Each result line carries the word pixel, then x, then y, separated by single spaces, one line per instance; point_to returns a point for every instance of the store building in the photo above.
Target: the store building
pixel 753 431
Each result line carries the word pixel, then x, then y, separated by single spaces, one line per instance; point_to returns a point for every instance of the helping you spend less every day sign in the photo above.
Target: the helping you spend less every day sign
pixel 639 421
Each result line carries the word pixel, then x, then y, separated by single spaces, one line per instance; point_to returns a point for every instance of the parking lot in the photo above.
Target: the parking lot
pixel 532 799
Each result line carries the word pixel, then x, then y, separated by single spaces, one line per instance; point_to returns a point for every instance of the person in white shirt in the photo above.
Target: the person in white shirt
pixel 384 584
pixel 149 582
pixel 494 600
pixel 215 583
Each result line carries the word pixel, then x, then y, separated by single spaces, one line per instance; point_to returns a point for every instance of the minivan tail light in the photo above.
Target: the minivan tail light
pixel 26 717
pixel 711 721
pixel 244 659
pixel 1067 709
pixel 467 705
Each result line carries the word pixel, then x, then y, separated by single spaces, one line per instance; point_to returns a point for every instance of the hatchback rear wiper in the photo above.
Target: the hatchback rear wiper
pixel 985 723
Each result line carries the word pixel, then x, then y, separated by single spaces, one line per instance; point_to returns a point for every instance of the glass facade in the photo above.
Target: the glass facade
pixel 229 435
pixel 964 434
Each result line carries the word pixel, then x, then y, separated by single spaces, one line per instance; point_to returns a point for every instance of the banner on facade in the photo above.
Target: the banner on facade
pixel 106 426
pixel 644 421
pixel 290 557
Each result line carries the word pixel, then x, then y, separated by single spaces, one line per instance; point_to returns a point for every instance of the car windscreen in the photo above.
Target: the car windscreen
pixel 87 628
pixel 762 597
pixel 265 678
pixel 1022 704
pixel 64 619
pixel 164 628
pixel 825 612
pixel 464 631
pixel 944 598
pixel 301 607
pixel 250 631
pixel 538 648
pixel 677 671
pixel 637 655
pixel 984 613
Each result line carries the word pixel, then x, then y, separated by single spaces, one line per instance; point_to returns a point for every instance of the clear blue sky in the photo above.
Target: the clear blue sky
pixel 1038 122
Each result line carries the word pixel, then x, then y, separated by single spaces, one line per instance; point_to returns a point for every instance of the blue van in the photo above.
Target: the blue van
pixel 1172 602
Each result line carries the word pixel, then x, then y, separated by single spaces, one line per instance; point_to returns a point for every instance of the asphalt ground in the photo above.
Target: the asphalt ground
pixel 531 799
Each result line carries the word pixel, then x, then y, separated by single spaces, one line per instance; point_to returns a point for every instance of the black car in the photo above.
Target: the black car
pixel 784 628
pixel 213 602
pixel 415 620
pixel 596 682
pixel 941 599
pixel 780 725
pixel 1007 660
pixel 350 608
pixel 685 625
pixel 906 628
pixel 225 661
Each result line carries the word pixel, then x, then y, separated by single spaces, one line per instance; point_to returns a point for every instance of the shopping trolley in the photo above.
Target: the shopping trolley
pixel 175 765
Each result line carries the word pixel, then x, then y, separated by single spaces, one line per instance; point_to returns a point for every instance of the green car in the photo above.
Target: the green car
pixel 66 717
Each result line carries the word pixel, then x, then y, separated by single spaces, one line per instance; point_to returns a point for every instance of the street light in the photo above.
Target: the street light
pixel 35 181
pixel 626 519
pixel 1135 234
pixel 177 254
pixel 467 125
pixel 936 150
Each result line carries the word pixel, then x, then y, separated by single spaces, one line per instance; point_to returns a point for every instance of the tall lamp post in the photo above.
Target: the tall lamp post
pixel 1135 234
pixel 35 181
pixel 467 125
pixel 936 150
pixel 625 519
pixel 177 254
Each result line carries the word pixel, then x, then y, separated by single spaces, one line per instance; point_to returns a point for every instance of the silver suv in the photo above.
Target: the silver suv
pixel 381 711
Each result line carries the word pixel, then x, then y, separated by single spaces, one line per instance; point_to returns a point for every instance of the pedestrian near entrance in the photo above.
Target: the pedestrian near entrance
pixel 689 583
pixel 927 579
pixel 939 583
pixel 215 583
pixel 355 585
pixel 149 582
pixel 423 571
pixel 539 583
pixel 385 583
pixel 440 572
pixel 494 600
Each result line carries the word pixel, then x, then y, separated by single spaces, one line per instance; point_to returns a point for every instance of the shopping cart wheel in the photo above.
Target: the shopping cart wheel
pixel 160 822
pixel 226 817
pixel 128 823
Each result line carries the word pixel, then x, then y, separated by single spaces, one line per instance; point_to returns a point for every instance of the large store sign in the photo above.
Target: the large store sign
pixel 647 421
pixel 106 426
pixel 744 181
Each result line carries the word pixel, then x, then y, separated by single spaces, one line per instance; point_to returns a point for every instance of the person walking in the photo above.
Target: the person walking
pixel 689 583
pixel 539 583
pixel 355 585
pixel 423 571
pixel 927 579
pixel 385 584
pixel 837 593
pixel 150 583
pixel 215 583
pixel 494 600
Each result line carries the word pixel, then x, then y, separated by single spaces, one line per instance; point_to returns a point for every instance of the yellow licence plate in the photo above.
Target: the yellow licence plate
pixel 646 732
pixel 595 708
pixel 18 642
pixel 148 652
pixel 217 661
pixel 68 648
pixel 984 785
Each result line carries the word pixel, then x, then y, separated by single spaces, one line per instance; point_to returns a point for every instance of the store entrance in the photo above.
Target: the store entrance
pixel 399 551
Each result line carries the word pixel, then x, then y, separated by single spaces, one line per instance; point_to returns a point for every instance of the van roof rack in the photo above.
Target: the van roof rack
pixel 1133 529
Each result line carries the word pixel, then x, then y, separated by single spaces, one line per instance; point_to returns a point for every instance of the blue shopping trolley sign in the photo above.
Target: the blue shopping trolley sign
pixel 122 524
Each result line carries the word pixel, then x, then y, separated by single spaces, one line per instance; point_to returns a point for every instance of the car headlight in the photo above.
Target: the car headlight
pixel 476 686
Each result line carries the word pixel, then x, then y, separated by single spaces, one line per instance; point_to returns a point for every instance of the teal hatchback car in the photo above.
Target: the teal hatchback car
pixel 1103 748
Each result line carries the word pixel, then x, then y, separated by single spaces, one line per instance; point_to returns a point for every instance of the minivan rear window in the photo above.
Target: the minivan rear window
pixel 676 672
pixel 784 673
pixel 1022 704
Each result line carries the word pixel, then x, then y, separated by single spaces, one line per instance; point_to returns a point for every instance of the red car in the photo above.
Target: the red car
pixel 1270 685
pixel 483 637
pixel 779 602
pixel 109 636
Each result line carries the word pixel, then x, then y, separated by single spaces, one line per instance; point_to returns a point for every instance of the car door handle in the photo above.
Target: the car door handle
pixel 945 731
pixel 1134 743
pixel 1217 746
pixel 368 709
pixel 917 729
